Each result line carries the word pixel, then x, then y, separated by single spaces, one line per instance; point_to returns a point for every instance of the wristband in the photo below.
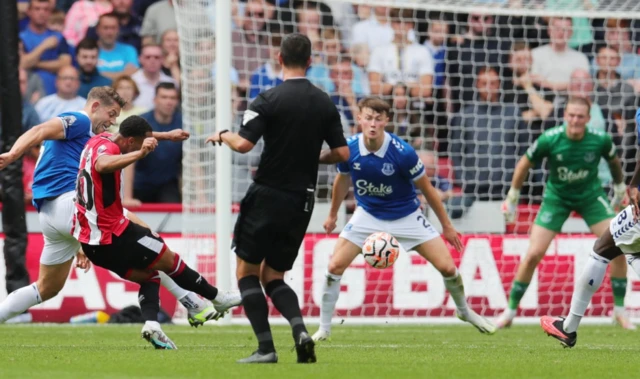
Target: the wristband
pixel 220 135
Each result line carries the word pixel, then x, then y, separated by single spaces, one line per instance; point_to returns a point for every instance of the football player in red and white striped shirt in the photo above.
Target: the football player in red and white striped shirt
pixel 132 251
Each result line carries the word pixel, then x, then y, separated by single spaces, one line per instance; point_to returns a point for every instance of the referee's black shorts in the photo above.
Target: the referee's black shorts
pixel 271 226
pixel 137 248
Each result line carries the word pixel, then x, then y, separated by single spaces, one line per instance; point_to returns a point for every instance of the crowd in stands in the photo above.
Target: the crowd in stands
pixel 470 91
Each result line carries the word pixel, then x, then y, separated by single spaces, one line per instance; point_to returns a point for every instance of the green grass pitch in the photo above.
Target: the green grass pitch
pixel 397 352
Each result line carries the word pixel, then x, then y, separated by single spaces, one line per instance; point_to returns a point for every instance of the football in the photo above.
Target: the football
pixel 381 250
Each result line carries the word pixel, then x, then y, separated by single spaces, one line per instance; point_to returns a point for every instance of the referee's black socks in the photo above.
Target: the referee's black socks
pixel 286 302
pixel 257 311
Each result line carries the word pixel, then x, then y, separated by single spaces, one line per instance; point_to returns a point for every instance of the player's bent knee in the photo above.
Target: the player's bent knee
pixel 448 271
pixel 337 268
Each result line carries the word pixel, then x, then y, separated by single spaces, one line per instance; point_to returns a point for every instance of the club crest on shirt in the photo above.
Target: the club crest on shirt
pixel 589 157
pixel 68 120
pixel 387 169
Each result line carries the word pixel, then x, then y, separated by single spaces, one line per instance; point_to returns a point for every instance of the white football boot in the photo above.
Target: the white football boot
pixel 321 335
pixel 481 323
pixel 505 319
pixel 152 332
pixel 225 301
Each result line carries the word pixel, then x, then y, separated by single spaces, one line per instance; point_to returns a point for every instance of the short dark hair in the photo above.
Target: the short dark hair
pixel 166 85
pixel 374 103
pixel 295 50
pixel 135 126
pixel 86 44
pixel 108 15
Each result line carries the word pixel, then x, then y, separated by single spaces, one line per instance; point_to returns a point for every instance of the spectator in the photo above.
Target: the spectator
pixel 157 175
pixel 478 47
pixel 159 18
pixel 130 24
pixel 87 58
pixel 30 117
pixel 114 58
pixel 82 15
pixel 207 59
pixel 308 22
pixel 319 72
pixel 618 37
pixel 343 96
pixel 374 31
pixel 65 99
pixel 582 36
pixel 443 186
pixel 554 63
pixel 486 140
pixel 405 122
pixel 35 87
pixel 149 76
pixel 401 61
pixel 46 51
pixel 611 93
pixel 250 47
pixel 170 45
pixel 535 104
pixel 128 90
pixel 56 21
pixel 436 45
pixel 269 74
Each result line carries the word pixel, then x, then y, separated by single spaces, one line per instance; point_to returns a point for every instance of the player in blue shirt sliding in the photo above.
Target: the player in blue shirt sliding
pixel 63 138
pixel 385 172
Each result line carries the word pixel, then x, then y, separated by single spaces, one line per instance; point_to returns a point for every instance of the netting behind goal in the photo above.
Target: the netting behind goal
pixel 472 85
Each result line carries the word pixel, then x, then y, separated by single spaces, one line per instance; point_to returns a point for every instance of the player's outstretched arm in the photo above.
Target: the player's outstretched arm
pixel 433 199
pixel 338 193
pixel 107 163
pixel 50 130
pixel 175 135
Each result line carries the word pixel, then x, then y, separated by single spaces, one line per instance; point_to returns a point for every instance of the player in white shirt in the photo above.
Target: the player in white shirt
pixel 385 171
pixel 401 61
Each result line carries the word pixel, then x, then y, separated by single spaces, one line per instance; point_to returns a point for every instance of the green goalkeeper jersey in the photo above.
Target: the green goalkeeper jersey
pixel 573 165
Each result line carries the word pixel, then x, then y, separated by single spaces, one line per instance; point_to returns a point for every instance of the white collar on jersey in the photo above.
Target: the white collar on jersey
pixel 381 151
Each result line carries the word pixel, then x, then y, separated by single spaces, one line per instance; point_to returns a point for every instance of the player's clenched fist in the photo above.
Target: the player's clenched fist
pixel 330 224
pixel 148 145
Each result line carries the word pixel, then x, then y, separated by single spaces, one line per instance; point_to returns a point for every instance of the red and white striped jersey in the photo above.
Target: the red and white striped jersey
pixel 99 213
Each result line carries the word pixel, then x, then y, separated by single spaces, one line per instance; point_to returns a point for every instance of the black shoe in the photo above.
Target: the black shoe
pixel 258 357
pixel 554 327
pixel 305 347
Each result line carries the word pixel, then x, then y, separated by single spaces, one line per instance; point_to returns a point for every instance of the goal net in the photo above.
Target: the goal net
pixel 472 85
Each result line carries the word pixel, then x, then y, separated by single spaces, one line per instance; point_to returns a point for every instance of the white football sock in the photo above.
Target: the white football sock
pixel 456 288
pixel 330 294
pixel 586 285
pixel 188 299
pixel 19 301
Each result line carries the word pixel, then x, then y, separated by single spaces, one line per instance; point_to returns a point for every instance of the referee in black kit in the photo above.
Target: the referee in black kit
pixel 295 118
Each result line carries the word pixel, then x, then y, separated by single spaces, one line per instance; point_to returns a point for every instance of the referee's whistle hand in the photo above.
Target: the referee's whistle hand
pixel 214 139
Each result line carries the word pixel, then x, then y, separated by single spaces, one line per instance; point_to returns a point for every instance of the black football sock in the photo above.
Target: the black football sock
pixel 286 302
pixel 149 298
pixel 257 311
pixel 191 280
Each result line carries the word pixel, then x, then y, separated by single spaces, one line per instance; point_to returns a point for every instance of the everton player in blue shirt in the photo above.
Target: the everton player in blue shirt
pixel 385 172
pixel 63 138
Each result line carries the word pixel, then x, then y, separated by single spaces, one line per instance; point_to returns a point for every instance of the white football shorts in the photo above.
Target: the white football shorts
pixel 626 232
pixel 56 218
pixel 410 231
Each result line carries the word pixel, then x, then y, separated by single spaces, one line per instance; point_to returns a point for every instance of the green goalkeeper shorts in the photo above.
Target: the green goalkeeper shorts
pixel 554 211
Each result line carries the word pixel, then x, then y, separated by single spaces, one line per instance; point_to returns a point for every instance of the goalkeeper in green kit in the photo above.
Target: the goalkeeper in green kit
pixel 573 153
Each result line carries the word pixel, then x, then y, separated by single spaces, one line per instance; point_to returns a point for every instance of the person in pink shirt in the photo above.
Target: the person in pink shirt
pixel 82 15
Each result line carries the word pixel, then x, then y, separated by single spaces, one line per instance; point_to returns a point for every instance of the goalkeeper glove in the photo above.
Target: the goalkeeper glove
pixel 508 207
pixel 619 191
